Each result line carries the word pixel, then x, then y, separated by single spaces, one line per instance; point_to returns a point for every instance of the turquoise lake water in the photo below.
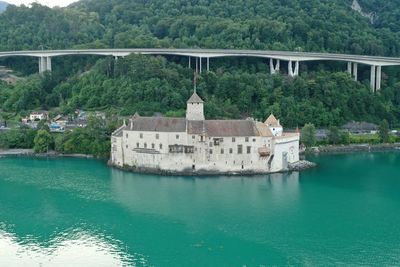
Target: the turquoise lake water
pixel 78 212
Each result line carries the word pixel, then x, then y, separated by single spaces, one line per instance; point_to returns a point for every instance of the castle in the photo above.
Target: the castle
pixel 194 145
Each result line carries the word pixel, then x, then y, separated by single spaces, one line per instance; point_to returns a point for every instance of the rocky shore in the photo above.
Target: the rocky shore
pixel 301 165
pixel 31 153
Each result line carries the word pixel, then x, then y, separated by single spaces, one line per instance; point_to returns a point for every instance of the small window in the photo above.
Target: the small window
pixel 246 139
pixel 193 137
pixel 126 146
pixel 233 139
pixel 126 135
pixel 254 139
pixel 222 151
pixel 248 149
pixel 145 145
pixel 230 150
pixel 240 149
pixel 160 146
pixel 211 144
pixel 153 146
pixel 141 135
pixel 157 136
pixel 177 136
pixel 211 151
pixel 137 145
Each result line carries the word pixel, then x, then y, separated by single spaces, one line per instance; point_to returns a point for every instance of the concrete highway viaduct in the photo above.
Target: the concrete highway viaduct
pixel 204 55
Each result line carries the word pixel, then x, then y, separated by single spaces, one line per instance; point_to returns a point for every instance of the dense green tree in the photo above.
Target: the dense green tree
pixel 384 131
pixel 235 88
pixel 42 141
pixel 308 135
pixel 334 135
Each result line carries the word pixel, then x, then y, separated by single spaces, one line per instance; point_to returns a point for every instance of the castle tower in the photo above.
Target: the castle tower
pixel 274 125
pixel 195 108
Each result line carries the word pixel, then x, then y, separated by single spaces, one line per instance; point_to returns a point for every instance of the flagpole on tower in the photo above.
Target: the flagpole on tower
pixel 195 82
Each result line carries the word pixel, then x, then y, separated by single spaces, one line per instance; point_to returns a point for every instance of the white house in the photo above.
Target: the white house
pixel 194 145
pixel 39 115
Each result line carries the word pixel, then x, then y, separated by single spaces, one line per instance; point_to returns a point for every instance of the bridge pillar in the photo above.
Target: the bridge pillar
pixel 40 65
pixel 352 69
pixel 200 63
pixel 190 61
pixel 208 64
pixel 355 71
pixel 44 64
pixel 274 68
pixel 48 64
pixel 197 65
pixel 378 78
pixel 293 72
pixel 373 78
pixel 296 70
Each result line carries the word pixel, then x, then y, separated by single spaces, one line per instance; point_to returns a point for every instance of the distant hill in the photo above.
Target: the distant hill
pixel 3 6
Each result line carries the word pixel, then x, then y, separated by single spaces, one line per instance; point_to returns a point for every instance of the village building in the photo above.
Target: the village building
pixel 359 128
pixel 39 115
pixel 194 145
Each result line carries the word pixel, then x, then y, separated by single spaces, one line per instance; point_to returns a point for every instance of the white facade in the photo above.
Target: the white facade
pixel 39 116
pixel 193 145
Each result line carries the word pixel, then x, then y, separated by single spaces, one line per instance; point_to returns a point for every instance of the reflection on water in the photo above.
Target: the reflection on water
pixel 183 197
pixel 68 249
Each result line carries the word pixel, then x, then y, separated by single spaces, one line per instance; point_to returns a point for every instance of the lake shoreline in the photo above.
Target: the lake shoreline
pixel 355 148
pixel 295 167
pixel 31 153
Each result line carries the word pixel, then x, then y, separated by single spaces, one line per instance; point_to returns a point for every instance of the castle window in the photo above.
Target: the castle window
pixel 141 135
pixel 211 144
pixel 157 136
pixel 153 146
pixel 230 150
pixel 233 139
pixel 145 145
pixel 126 135
pixel 248 149
pixel 189 149
pixel 254 139
pixel 126 146
pixel 193 137
pixel 137 145
pixel 246 139
pixel 239 149
pixel 211 151
pixel 177 136
pixel 222 151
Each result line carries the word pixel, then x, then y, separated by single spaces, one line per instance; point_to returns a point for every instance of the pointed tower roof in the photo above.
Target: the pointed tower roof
pixel 195 98
pixel 272 121
pixel 136 115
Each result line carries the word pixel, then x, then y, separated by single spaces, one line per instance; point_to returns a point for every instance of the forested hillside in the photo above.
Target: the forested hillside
pixel 323 94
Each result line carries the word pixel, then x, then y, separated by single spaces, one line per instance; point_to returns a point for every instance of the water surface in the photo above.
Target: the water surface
pixel 78 212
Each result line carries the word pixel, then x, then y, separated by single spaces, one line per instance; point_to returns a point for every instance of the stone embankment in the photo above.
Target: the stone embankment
pixel 356 148
pixel 31 153
pixel 301 165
